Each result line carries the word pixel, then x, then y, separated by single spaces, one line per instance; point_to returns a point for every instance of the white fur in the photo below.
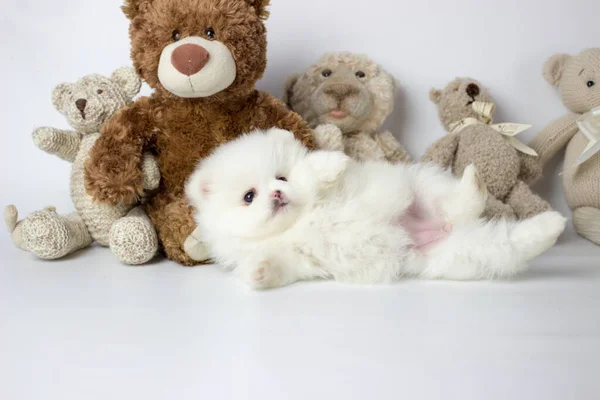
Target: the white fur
pixel 343 218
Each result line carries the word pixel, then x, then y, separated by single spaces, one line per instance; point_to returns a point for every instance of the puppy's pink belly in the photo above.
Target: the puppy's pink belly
pixel 425 230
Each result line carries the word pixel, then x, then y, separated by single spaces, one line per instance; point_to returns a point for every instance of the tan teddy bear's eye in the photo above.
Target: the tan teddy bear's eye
pixel 360 74
pixel 591 84
pixel 100 91
pixel 326 73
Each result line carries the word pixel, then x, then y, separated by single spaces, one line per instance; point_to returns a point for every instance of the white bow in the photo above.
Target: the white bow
pixel 589 125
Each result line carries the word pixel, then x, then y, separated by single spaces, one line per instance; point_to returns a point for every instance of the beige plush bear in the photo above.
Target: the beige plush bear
pixel 507 166
pixel 346 98
pixel 578 81
pixel 87 105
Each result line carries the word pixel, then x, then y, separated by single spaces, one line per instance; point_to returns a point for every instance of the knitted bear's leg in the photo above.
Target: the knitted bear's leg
pixel 173 219
pixel 133 238
pixel 51 236
pixel 587 223
pixel 526 203
pixel 496 209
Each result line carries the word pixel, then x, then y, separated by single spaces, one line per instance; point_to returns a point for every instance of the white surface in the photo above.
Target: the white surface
pixel 88 328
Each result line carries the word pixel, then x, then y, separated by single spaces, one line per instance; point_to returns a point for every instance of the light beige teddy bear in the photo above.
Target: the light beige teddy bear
pixel 346 98
pixel 87 105
pixel 578 81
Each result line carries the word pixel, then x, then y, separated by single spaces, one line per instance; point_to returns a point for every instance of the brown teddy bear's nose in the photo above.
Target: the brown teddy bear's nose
pixel 189 58
pixel 81 103
pixel 341 91
pixel 473 90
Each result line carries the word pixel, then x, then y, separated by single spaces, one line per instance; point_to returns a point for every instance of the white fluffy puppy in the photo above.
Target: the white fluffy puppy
pixel 277 214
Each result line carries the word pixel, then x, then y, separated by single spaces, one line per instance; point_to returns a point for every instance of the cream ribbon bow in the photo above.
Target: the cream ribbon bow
pixel 509 131
pixel 589 125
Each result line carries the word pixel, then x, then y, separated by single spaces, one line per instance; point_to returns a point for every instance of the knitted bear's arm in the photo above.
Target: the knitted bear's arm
pixel 64 144
pixel 555 137
pixel 113 172
pixel 443 151
pixel 393 150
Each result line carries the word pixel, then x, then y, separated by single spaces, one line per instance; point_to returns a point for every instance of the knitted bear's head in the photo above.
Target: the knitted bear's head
pixel 90 102
pixel 577 78
pixel 343 89
pixel 210 49
pixel 459 100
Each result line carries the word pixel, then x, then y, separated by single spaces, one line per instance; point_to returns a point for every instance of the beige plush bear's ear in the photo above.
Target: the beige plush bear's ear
pixel 288 93
pixel 554 67
pixel 261 7
pixel 128 81
pixel 61 94
pixel 435 96
pixel 132 8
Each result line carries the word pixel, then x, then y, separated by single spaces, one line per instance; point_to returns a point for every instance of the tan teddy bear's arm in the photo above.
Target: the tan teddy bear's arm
pixel 64 144
pixel 443 151
pixel 555 137
pixel 531 169
pixel 393 150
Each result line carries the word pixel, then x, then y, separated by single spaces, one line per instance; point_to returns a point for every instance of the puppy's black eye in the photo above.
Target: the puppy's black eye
pixel 176 36
pixel 249 197
pixel 591 84
pixel 100 91
pixel 327 73
pixel 282 178
pixel 210 32
pixel 360 74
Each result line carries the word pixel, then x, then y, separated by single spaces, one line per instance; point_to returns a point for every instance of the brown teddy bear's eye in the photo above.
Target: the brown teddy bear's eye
pixel 176 36
pixel 360 74
pixel 100 91
pixel 327 73
pixel 210 32
pixel 591 84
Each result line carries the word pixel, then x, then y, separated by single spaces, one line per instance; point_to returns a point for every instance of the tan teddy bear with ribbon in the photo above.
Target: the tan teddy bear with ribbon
pixel 507 166
pixel 346 98
pixel 87 105
pixel 578 81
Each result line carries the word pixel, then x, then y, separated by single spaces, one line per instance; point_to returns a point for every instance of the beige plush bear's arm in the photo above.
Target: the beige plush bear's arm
pixel 443 151
pixel 64 144
pixel 393 150
pixel 329 137
pixel 555 137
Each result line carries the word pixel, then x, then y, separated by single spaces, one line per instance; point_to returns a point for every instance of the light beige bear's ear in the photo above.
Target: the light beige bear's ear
pixel 554 67
pixel 133 8
pixel 261 7
pixel 61 94
pixel 288 93
pixel 435 96
pixel 128 81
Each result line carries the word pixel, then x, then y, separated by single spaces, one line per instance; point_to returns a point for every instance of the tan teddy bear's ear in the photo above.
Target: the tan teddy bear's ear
pixel 132 8
pixel 261 7
pixel 554 68
pixel 61 94
pixel 288 93
pixel 435 96
pixel 128 81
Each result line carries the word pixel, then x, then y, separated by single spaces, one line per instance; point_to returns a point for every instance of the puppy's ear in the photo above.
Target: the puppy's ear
pixel 554 68
pixel 128 81
pixel 261 7
pixel 435 96
pixel 133 8
pixel 288 93
pixel 61 94
pixel 198 187
pixel 327 166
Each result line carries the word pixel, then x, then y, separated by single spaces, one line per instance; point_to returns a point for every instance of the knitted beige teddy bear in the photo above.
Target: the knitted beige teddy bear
pixel 507 166
pixel 346 98
pixel 578 81
pixel 87 105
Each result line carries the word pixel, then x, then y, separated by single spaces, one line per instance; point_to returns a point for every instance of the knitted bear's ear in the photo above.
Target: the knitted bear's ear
pixel 261 7
pixel 288 93
pixel 132 8
pixel 435 96
pixel 128 81
pixel 554 68
pixel 61 94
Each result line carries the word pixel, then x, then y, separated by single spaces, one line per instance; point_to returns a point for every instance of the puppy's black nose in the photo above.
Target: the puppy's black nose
pixel 473 90
pixel 81 103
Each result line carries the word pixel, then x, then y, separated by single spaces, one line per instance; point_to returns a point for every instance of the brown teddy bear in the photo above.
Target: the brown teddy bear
pixel 346 98
pixel 466 109
pixel 203 59
pixel 578 81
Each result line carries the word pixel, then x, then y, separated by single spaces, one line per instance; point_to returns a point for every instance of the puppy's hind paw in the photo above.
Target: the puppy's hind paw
pixel 266 275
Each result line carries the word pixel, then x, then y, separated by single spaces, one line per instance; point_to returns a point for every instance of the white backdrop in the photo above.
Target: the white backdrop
pixel 502 43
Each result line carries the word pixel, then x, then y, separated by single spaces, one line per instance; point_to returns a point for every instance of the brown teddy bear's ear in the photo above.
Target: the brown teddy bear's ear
pixel 261 7
pixel 554 67
pixel 435 96
pixel 132 8
pixel 288 93
pixel 128 81
pixel 60 95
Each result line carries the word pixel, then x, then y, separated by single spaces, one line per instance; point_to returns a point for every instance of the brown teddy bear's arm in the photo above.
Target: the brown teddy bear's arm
pixel 555 137
pixel 393 150
pixel 113 172
pixel 443 151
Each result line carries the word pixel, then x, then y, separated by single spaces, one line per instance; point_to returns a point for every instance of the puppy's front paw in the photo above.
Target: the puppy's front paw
pixel 266 275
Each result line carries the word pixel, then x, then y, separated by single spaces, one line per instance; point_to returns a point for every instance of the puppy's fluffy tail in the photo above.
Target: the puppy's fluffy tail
pixel 536 235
